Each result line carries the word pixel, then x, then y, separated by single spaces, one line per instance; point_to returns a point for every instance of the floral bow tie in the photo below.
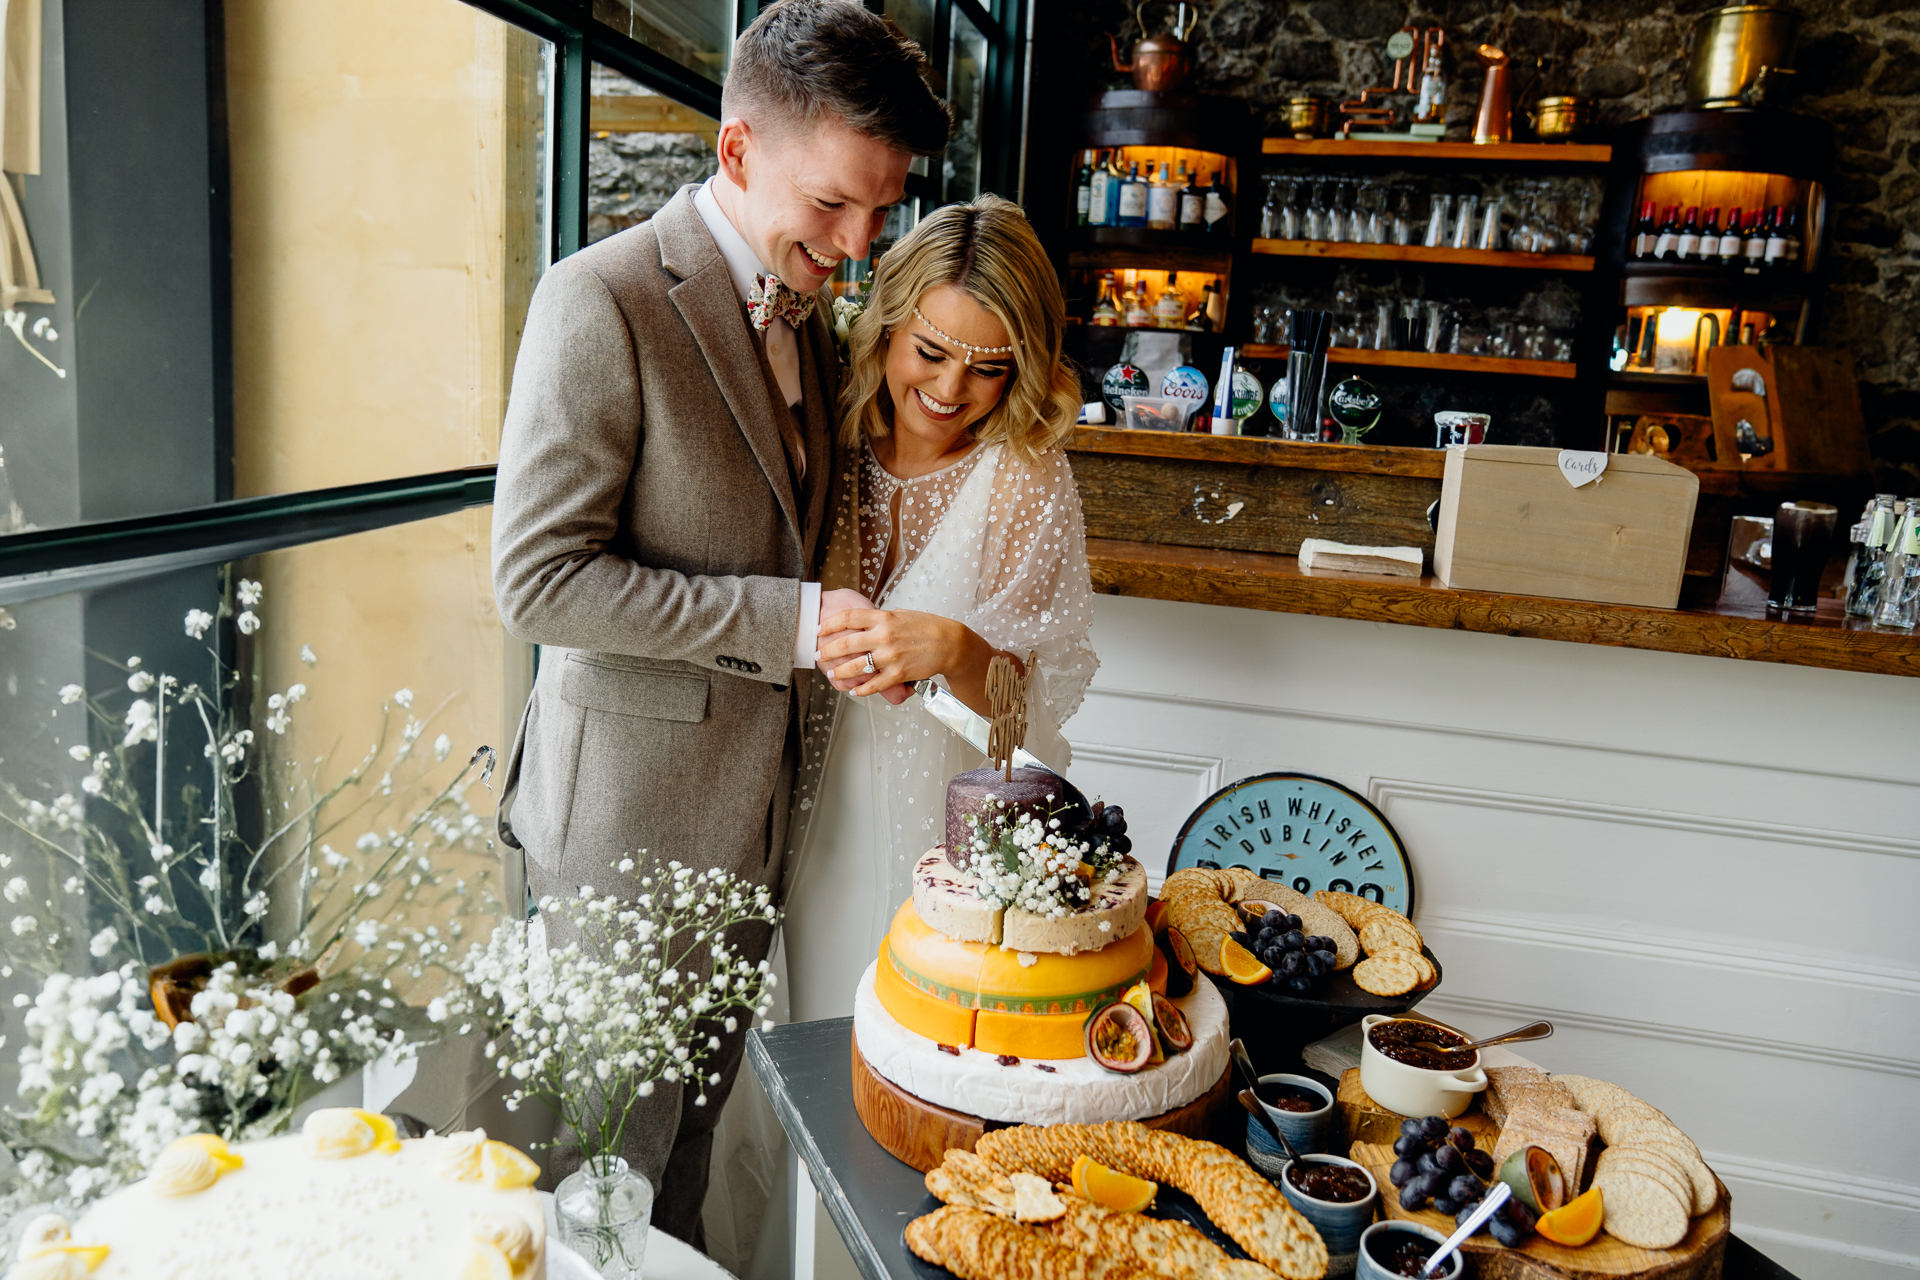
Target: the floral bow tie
pixel 771 300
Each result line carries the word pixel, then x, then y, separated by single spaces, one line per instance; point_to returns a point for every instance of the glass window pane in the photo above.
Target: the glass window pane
pixel 914 18
pixel 966 85
pixel 388 164
pixel 697 34
pixel 641 148
pixel 304 696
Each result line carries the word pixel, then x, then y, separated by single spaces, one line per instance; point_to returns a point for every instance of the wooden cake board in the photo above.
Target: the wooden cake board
pixel 920 1134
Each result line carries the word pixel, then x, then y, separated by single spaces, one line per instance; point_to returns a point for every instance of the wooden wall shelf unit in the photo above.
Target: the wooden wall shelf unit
pixel 1420 253
pixel 1426 360
pixel 1490 153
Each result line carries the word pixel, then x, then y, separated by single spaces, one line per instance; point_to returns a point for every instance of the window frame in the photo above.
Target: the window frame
pixel 90 554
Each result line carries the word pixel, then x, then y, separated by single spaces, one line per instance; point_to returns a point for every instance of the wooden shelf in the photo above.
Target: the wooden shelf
pixel 1420 253
pixel 1426 360
pixel 1490 153
pixel 1736 628
pixel 1261 451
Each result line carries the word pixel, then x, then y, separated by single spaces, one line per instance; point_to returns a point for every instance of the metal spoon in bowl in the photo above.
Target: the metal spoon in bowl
pixel 1532 1031
pixel 1251 1102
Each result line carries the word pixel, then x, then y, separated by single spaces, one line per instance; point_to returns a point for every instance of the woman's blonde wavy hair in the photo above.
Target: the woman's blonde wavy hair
pixel 986 247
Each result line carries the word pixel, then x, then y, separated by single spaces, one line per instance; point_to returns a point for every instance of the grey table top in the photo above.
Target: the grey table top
pixel 807 1070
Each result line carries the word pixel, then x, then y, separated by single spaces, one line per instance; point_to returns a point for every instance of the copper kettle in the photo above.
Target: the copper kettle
pixel 1161 63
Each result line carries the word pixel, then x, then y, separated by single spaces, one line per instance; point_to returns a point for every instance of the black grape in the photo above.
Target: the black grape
pixel 1301 986
pixel 1408 1146
pixel 1506 1233
pixel 1293 940
pixel 1449 1159
pixel 1461 1138
pixel 1412 1129
pixel 1466 1189
pixel 1121 844
pixel 1403 1172
pixel 1266 937
pixel 1481 1163
pixel 1466 1211
pixel 1426 1163
pixel 1446 1205
pixel 1435 1127
pixel 1410 1197
pixel 1320 942
pixel 1520 1216
pixel 1433 1185
pixel 1241 937
pixel 1316 966
pixel 1289 922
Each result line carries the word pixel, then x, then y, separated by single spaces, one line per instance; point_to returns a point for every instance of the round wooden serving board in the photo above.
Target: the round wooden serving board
pixel 1697 1257
pixel 920 1134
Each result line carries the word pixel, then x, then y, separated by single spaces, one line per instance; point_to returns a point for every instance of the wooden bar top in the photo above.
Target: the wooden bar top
pixel 1738 627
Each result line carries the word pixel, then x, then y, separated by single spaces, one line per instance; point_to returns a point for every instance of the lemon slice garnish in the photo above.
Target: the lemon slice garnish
pixel 504 1166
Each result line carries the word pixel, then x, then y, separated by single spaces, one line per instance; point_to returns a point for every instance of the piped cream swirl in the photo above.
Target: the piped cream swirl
pixel 507 1232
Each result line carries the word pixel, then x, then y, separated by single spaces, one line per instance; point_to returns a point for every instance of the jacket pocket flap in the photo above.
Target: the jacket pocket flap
pixel 655 695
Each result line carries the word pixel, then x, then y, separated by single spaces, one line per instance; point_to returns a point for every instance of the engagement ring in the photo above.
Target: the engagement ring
pixel 869 667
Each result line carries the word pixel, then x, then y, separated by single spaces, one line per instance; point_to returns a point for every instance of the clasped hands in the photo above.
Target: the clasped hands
pixel 906 646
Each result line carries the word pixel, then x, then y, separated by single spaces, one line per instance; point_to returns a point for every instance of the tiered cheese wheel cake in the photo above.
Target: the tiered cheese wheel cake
pixel 983 1009
pixel 345 1197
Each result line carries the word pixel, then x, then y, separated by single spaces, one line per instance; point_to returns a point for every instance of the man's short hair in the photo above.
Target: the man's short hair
pixel 802 60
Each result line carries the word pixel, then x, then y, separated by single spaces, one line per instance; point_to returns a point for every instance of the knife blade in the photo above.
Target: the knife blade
pixel 967 723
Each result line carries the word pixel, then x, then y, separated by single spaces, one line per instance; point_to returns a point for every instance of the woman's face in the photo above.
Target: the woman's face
pixel 937 392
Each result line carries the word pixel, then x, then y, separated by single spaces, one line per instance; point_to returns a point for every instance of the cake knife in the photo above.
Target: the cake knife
pixel 969 724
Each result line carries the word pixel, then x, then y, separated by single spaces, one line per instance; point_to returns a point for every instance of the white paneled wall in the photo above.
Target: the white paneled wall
pixel 1706 872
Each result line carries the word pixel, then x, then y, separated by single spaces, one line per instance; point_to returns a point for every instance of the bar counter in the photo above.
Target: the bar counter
pixel 1736 627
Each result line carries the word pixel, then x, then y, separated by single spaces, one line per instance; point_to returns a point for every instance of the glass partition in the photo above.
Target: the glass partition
pixel 697 34
pixel 967 92
pixel 641 148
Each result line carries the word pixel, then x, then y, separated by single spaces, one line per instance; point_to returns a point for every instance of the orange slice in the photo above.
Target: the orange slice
pixel 1242 965
pixel 1121 1192
pixel 1575 1222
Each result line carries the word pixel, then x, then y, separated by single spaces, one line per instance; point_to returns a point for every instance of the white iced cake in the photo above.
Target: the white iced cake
pixel 345 1199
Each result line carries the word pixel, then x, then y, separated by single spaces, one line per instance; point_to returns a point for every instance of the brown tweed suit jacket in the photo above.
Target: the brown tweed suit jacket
pixel 647 531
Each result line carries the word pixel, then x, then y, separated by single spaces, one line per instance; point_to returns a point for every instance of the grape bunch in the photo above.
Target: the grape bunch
pixel 1440 1165
pixel 1301 961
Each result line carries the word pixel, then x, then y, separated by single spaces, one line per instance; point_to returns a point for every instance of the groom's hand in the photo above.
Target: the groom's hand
pixel 833 605
pixel 904 646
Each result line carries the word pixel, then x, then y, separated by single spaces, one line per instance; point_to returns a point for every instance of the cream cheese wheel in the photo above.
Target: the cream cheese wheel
pixel 946 900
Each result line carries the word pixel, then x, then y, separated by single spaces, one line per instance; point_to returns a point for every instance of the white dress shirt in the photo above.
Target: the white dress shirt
pixel 782 346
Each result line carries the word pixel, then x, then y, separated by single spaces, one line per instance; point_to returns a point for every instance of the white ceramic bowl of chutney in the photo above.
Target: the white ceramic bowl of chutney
pixel 1413 1090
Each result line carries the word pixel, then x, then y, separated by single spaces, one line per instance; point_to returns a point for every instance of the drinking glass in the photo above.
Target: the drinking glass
pixel 1316 220
pixel 1801 534
pixel 1270 211
pixel 1437 216
pixel 1337 213
pixel 1463 223
pixel 1373 215
pixel 1500 342
pixel 1403 218
pixel 1265 321
pixel 1290 212
pixel 1490 224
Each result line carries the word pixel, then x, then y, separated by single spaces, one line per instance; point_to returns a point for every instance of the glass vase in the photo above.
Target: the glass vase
pixel 603 1209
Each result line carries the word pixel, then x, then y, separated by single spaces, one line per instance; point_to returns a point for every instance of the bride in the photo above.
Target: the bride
pixel 959 518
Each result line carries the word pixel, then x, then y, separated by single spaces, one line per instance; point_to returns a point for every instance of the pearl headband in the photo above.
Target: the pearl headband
pixel 971 349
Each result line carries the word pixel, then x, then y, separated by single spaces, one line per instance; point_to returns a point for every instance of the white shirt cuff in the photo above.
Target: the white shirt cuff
pixel 806 645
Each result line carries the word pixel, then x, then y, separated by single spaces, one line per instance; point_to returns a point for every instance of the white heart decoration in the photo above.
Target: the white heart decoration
pixel 1581 467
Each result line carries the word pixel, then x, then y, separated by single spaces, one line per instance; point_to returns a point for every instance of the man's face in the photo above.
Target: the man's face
pixel 812 197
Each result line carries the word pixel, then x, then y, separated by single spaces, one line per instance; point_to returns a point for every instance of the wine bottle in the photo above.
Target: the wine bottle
pixel 1663 244
pixel 1732 247
pixel 1776 238
pixel 1792 260
pixel 1687 245
pixel 1756 239
pixel 1083 190
pixel 1133 198
pixel 1217 207
pixel 1710 237
pixel 1171 310
pixel 1163 201
pixel 1193 204
pixel 1648 234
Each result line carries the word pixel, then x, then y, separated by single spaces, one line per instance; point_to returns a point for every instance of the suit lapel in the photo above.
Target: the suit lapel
pixel 706 300
pixel 821 422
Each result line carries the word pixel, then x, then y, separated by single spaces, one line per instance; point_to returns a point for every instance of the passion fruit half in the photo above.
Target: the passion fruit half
pixel 1536 1179
pixel 1181 966
pixel 1175 1035
pixel 1118 1037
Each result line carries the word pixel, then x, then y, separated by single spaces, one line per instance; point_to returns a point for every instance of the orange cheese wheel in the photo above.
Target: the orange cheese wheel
pixel 980 975
pixel 1031 1035
pixel 1157 976
pixel 938 1020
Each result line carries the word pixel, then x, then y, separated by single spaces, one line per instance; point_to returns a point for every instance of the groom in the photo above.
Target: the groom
pixel 662 490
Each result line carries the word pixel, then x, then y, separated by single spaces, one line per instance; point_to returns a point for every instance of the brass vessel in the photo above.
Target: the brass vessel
pixel 1738 53
pixel 1309 117
pixel 1161 63
pixel 1493 122
pixel 1562 118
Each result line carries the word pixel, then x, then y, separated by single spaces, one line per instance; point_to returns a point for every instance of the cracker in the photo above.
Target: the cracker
pixel 1217 883
pixel 1259 890
pixel 1640 1210
pixel 1377 934
pixel 1326 922
pixel 1670 1175
pixel 1389 973
pixel 1706 1190
pixel 1348 905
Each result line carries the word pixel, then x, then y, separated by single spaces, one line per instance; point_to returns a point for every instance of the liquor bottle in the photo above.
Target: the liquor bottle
pixel 1710 237
pixel 1196 318
pixel 1139 311
pixel 1171 310
pixel 1216 307
pixel 1756 240
pixel 1133 198
pixel 1878 513
pixel 1863 597
pixel 1106 311
pixel 1116 178
pixel 1663 244
pixel 1432 105
pixel 1098 204
pixel 1648 234
pixel 1900 591
pixel 1776 252
pixel 1083 190
pixel 1731 245
pixel 1193 204
pixel 1687 245
pixel 1163 201
pixel 1217 207
pixel 1792 260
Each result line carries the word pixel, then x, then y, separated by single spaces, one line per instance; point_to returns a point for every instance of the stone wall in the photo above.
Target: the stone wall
pixel 1859 66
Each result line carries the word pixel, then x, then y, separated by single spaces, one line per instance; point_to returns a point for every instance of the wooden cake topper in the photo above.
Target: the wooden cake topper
pixel 1007 705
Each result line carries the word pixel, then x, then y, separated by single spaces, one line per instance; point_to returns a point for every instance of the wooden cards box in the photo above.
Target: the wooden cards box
pixel 1511 521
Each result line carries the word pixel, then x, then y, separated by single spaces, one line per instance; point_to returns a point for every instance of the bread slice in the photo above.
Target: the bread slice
pixel 1508 1087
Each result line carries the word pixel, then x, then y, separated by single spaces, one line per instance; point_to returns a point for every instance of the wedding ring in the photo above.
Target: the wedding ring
pixel 869 667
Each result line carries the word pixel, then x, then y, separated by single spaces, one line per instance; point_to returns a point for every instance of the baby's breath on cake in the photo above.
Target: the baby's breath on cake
pixel 1033 862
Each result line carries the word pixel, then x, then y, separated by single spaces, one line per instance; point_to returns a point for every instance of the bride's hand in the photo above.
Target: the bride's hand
pixel 906 645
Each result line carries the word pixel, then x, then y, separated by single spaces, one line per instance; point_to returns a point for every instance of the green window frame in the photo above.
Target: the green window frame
pixel 93 554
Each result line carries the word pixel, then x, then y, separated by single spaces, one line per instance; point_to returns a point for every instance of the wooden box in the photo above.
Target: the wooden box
pixel 1511 522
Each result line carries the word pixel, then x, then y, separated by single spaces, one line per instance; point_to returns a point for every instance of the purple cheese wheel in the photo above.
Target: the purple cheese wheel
pixel 970 793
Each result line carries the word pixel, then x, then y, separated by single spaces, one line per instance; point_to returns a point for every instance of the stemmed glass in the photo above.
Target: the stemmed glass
pixel 1270 211
pixel 1374 223
pixel 1337 212
pixel 1316 219
pixel 1403 218
pixel 1290 211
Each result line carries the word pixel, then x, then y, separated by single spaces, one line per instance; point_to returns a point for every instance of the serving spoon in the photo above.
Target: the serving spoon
pixel 1532 1031
pixel 1489 1206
